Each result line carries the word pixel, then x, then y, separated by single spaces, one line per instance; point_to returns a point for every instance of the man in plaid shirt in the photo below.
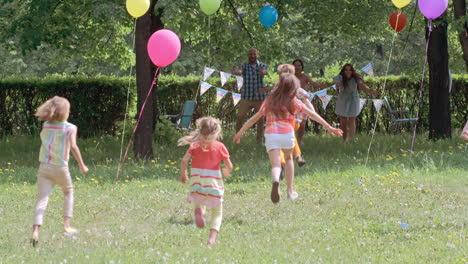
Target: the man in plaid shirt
pixel 252 94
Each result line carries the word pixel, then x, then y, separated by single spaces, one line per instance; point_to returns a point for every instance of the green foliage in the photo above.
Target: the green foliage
pixel 96 103
pixel 166 131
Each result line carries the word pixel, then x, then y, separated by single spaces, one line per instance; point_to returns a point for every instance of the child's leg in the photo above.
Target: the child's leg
pixel 351 127
pixel 44 186
pixel 274 155
pixel 216 219
pixel 199 212
pixel 63 179
pixel 290 173
pixel 275 161
pixel 344 126
pixel 301 131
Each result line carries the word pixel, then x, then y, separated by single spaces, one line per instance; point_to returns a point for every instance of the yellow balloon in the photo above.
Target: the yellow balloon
pixel 137 8
pixel 401 3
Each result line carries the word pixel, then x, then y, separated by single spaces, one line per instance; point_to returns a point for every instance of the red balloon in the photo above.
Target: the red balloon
pixel 401 18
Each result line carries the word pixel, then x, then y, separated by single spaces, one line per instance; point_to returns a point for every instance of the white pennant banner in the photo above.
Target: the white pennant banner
pixel 224 77
pixel 325 100
pixel 240 82
pixel 207 73
pixel 377 104
pixel 362 102
pixel 204 87
pixel 235 98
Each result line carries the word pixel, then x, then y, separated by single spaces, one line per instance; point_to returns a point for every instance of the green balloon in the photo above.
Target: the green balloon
pixel 209 7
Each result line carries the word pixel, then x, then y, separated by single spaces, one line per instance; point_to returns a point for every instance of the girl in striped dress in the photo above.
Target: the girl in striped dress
pixel 58 138
pixel 206 177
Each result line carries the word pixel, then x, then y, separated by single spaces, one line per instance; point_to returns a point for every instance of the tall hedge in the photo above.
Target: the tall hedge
pixel 98 103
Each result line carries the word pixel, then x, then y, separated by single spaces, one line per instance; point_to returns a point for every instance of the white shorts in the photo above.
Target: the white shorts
pixel 279 141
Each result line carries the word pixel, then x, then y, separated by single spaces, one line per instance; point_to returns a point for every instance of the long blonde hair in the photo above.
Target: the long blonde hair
pixel 55 109
pixel 208 129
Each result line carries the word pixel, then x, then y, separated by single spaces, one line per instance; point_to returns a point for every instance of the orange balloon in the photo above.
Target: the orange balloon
pixel 397 21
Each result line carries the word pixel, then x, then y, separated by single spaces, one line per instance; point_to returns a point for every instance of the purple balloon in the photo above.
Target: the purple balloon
pixel 432 9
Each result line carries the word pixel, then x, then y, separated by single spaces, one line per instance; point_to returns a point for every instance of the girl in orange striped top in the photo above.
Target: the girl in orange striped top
pixel 280 109
pixel 206 178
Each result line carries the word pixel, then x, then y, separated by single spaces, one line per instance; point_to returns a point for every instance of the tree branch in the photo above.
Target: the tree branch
pixel 241 21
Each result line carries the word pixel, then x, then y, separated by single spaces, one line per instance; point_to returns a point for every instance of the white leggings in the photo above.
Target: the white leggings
pixel 48 176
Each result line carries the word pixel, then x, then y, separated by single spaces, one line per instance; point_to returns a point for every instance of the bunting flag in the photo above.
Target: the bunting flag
pixel 220 93
pixel 368 69
pixel 224 77
pixel 235 98
pixel 321 93
pixel 377 104
pixel 204 87
pixel 310 96
pixel 325 100
pixel 362 102
pixel 207 73
pixel 333 86
pixel 240 82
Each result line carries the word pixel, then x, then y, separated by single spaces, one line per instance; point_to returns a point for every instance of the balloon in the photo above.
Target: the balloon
pixel 137 8
pixel 268 16
pixel 401 18
pixel 163 47
pixel 432 9
pixel 401 3
pixel 209 7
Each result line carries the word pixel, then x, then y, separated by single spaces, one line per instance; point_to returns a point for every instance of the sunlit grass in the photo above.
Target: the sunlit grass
pixel 347 212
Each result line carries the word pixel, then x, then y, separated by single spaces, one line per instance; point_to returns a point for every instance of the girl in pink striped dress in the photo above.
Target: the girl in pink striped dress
pixel 206 176
pixel 58 138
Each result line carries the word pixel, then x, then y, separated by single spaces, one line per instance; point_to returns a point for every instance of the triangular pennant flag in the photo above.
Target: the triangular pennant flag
pixel 235 98
pixel 220 93
pixel 224 77
pixel 321 93
pixel 325 100
pixel 204 87
pixel 362 102
pixel 369 69
pixel 310 96
pixel 207 73
pixel 240 82
pixel 377 104
pixel 333 86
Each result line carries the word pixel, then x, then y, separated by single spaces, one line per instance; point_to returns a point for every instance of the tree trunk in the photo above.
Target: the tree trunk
pixel 459 8
pixel 145 26
pixel 439 104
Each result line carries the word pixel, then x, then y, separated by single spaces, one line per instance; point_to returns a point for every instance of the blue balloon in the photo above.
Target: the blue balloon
pixel 268 16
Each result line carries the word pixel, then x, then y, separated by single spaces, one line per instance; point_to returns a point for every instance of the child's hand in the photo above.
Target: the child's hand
pixel 335 131
pixel 226 172
pixel 183 178
pixel 237 138
pixel 84 169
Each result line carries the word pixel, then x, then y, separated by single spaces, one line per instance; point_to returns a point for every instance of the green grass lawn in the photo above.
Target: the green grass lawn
pixel 347 212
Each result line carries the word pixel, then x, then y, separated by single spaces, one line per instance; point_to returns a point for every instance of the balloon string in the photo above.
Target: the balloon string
pixel 382 94
pixel 421 88
pixel 153 84
pixel 128 93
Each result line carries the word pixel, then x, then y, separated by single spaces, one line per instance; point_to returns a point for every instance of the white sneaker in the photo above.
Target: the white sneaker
pixel 293 196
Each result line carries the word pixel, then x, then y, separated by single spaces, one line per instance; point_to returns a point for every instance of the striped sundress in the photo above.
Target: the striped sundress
pixel 55 147
pixel 206 180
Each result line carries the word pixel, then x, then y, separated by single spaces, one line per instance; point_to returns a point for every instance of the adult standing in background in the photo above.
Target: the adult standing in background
pixel 348 84
pixel 252 94
pixel 309 85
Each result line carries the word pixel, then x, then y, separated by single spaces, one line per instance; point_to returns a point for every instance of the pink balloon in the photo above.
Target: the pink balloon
pixel 163 47
pixel 432 9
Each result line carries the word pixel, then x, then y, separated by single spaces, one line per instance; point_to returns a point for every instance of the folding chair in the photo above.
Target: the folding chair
pixel 398 117
pixel 185 118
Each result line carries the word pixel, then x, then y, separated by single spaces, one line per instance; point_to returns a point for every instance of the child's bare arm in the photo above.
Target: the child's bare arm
pixel 227 167
pixel 76 151
pixel 246 126
pixel 183 167
pixel 316 117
